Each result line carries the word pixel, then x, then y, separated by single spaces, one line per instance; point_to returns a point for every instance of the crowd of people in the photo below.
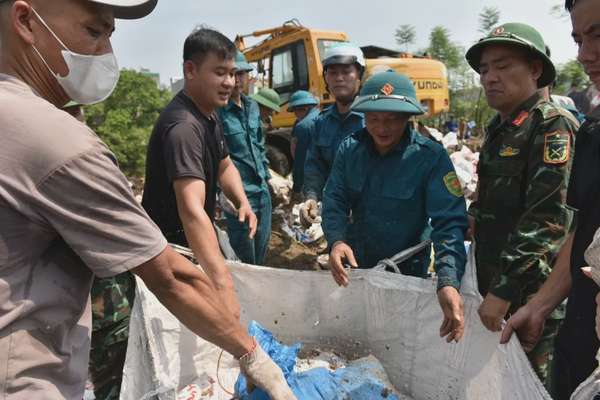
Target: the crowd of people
pixel 379 183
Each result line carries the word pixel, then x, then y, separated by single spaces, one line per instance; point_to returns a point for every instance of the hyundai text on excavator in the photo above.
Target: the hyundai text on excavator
pixel 289 59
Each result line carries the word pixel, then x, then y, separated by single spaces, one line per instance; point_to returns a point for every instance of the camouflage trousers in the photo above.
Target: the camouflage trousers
pixel 112 300
pixel 541 356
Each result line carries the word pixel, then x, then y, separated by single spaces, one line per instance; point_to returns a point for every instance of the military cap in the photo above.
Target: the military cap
pixel 344 53
pixel 268 98
pixel 129 9
pixel 516 34
pixel 301 98
pixel 241 64
pixel 388 92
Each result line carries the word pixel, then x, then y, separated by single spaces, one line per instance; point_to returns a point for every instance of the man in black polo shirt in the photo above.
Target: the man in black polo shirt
pixel 577 343
pixel 187 158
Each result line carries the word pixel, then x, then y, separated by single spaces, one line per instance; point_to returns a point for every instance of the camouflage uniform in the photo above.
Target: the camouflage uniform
pixel 112 300
pixel 521 216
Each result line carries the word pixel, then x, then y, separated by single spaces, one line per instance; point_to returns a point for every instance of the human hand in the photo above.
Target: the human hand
pixel 245 214
pixel 309 212
pixel 453 326
pixel 492 312
pixel 528 324
pixel 340 252
pixel 261 371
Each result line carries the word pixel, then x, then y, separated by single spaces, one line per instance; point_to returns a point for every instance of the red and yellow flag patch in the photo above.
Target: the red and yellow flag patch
pixel 453 184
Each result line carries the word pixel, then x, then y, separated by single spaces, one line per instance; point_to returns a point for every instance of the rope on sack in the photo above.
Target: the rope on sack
pixel 218 379
pixel 388 264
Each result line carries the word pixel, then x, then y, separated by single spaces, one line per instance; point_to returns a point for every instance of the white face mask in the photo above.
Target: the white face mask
pixel 91 79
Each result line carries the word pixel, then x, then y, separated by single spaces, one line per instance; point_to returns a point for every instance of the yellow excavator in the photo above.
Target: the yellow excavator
pixel 289 59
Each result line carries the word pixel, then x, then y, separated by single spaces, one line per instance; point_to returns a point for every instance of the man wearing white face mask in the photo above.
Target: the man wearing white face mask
pixel 91 78
pixel 67 212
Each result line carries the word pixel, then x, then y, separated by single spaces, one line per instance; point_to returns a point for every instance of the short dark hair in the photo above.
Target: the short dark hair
pixel 569 5
pixel 204 40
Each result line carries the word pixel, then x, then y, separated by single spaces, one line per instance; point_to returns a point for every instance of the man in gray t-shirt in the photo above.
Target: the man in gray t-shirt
pixel 67 212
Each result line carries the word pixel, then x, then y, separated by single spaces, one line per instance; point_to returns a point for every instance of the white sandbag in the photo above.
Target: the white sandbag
pixel 396 318
pixel 450 140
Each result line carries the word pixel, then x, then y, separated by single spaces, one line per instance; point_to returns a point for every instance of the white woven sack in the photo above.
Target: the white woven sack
pixel 394 317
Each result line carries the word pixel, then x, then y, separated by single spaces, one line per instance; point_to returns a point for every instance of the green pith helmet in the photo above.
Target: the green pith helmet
pixel 268 98
pixel 388 92
pixel 516 34
pixel 241 63
pixel 301 98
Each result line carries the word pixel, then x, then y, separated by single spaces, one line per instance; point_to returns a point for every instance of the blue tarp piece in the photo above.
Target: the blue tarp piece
pixel 358 381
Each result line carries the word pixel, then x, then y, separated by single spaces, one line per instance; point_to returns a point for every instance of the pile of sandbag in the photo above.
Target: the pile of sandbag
pixel 465 164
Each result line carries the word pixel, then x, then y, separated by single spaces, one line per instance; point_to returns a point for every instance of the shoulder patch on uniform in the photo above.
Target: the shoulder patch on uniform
pixel 523 115
pixel 557 147
pixel 453 184
pixel 549 110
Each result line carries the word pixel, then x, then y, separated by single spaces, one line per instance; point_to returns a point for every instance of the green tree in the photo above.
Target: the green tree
pixel 488 18
pixel 443 49
pixel 570 74
pixel 125 120
pixel 405 35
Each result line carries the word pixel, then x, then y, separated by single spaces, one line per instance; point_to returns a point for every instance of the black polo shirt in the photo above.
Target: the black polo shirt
pixel 577 341
pixel 183 144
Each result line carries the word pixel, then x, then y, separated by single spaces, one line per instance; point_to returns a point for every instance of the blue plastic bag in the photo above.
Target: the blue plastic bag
pixel 357 381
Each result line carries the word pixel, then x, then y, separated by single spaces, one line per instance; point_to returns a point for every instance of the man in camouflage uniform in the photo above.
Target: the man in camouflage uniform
pixel 112 300
pixel 520 218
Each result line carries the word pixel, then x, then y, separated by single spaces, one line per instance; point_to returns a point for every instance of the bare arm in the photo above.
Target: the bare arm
pixel 230 182
pixel 190 194
pixel 189 294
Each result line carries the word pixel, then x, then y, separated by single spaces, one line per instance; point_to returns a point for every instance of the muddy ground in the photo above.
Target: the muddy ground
pixel 285 252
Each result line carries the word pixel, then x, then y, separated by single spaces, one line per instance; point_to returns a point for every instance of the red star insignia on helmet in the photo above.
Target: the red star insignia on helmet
pixel 387 89
pixel 498 31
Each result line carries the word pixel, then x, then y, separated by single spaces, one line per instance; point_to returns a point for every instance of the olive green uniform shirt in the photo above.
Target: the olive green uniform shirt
pixel 521 216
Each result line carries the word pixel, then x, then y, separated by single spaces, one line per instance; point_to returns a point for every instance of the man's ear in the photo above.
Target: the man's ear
pixel 537 69
pixel 189 70
pixel 20 15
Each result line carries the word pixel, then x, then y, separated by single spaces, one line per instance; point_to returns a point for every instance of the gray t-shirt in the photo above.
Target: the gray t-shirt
pixel 66 213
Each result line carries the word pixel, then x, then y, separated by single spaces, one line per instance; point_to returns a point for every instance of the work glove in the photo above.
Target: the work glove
pixel 309 213
pixel 261 371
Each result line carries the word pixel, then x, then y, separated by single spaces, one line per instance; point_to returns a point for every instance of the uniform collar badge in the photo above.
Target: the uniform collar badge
pixel 387 89
pixel 520 118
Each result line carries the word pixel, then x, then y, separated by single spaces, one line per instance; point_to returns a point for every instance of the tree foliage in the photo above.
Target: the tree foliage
pixel 405 35
pixel 488 18
pixel 125 120
pixel 443 49
pixel 570 74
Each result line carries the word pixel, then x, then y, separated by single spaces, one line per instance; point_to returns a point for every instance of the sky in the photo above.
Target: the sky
pixel 156 42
